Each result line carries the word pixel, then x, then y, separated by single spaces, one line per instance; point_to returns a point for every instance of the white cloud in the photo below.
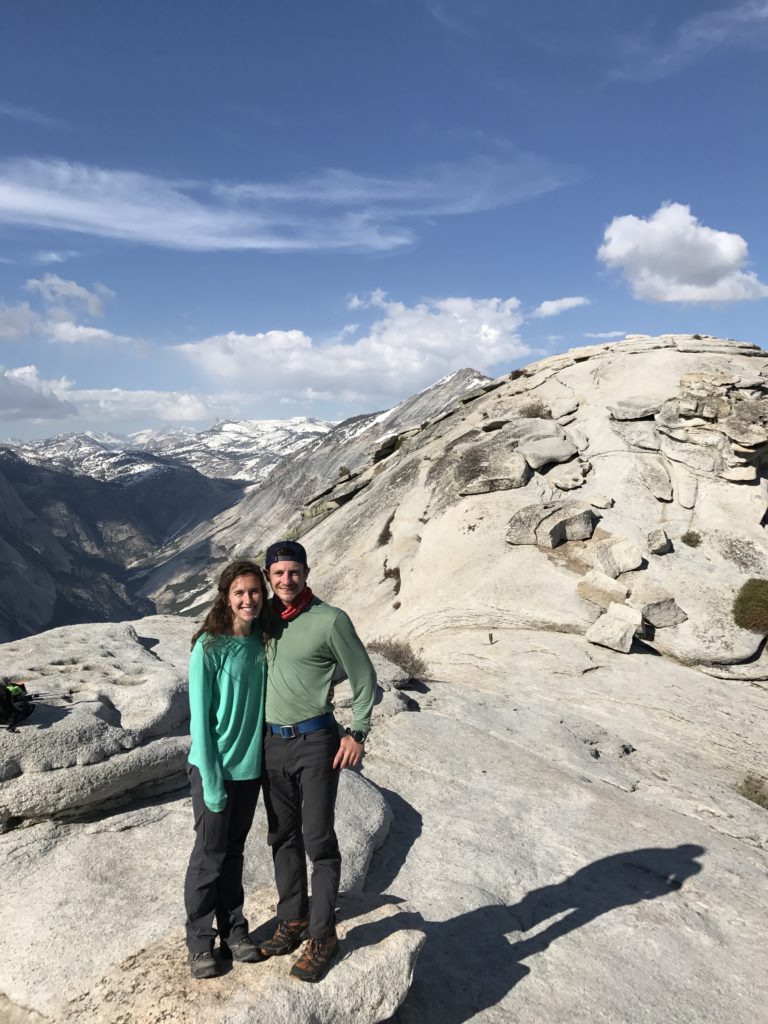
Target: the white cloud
pixel 377 298
pixel 553 307
pixel 17 321
pixel 346 332
pixel 24 396
pixel 671 257
pixel 404 351
pixel 742 25
pixel 72 333
pixel 606 334
pixel 29 116
pixel 54 288
pixel 52 256
pixel 116 404
pixel 333 210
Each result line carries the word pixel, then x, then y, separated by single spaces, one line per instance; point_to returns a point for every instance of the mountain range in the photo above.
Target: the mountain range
pixel 90 525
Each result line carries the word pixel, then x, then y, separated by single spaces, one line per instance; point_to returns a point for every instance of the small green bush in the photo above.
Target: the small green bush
pixel 691 538
pixel 754 788
pixel 400 653
pixel 750 609
pixel 386 533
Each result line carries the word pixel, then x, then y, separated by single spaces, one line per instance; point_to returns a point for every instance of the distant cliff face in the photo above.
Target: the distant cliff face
pixel 68 538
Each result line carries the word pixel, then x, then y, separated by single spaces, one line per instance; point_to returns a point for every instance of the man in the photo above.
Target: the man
pixel 303 755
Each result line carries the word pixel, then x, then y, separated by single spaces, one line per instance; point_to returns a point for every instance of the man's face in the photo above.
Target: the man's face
pixel 287 580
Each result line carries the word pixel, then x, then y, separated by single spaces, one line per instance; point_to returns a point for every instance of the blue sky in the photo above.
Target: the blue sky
pixel 260 209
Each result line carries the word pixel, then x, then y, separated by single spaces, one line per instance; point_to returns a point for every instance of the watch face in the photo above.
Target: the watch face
pixel 358 737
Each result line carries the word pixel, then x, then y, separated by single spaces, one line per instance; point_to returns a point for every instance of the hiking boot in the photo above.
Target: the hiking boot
pixel 244 950
pixel 315 958
pixel 203 965
pixel 288 936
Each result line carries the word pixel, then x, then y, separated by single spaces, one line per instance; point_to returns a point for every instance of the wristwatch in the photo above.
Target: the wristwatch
pixel 357 736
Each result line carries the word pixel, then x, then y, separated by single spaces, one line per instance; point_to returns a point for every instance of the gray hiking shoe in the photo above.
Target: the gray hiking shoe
pixel 203 965
pixel 243 950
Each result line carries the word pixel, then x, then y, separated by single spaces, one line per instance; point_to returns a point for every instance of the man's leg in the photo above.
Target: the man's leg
pixel 282 799
pixel 319 783
pixel 242 796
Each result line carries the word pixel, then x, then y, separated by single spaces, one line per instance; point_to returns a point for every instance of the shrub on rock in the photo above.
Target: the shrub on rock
pixel 400 653
pixel 750 609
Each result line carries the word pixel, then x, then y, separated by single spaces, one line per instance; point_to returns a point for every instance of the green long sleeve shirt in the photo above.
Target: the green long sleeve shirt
pixel 301 662
pixel 226 704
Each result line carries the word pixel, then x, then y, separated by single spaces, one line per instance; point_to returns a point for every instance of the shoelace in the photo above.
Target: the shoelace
pixel 313 950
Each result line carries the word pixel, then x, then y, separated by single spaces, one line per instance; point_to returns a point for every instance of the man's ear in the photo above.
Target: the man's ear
pixel 307 572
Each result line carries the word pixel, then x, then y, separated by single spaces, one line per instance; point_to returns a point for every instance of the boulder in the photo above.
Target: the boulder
pixel 560 407
pixel 551 523
pixel 616 628
pixel 600 589
pixel 740 474
pixel 571 521
pixel 570 476
pixel 686 487
pixel 546 450
pixel 655 604
pixel 653 473
pixel 658 542
pixel 641 434
pixel 490 466
pixel 527 429
pixel 634 409
pixel 615 555
pixel 601 501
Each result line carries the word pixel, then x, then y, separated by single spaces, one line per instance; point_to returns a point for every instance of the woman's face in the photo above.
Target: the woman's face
pixel 245 599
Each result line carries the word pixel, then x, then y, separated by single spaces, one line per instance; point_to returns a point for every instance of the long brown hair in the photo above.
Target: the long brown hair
pixel 218 621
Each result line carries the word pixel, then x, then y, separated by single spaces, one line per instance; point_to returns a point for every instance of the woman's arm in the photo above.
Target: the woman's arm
pixel 202 713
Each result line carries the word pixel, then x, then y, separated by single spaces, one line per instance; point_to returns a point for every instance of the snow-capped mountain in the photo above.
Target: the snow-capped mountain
pixel 240 449
pixel 246 450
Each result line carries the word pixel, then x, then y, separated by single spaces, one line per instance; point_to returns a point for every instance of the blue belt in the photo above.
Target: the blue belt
pixel 288 732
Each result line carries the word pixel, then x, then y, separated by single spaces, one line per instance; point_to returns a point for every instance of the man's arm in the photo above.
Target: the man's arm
pixel 348 649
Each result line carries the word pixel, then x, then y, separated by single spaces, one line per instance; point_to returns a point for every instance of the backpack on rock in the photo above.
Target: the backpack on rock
pixel 15 704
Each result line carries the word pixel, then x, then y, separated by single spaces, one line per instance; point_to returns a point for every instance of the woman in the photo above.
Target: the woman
pixel 226 701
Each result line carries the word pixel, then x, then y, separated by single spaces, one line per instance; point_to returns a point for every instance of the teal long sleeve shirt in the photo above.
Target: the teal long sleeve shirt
pixel 226 704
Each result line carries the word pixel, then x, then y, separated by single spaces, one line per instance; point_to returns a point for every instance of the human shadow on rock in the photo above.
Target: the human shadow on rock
pixel 403 832
pixel 469 964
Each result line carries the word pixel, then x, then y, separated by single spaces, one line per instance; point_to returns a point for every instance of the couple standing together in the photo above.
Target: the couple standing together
pixel 288 650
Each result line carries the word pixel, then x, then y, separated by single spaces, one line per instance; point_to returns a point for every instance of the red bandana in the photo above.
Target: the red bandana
pixel 290 611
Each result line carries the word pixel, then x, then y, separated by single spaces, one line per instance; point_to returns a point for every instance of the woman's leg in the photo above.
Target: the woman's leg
pixel 242 798
pixel 201 885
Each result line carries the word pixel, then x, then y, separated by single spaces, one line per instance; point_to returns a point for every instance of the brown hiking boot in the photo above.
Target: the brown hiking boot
pixel 288 936
pixel 315 958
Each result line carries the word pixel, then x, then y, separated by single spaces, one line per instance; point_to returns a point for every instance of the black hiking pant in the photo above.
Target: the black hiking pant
pixel 300 797
pixel 213 887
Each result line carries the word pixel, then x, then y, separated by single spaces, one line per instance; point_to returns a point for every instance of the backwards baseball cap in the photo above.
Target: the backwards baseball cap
pixel 285 551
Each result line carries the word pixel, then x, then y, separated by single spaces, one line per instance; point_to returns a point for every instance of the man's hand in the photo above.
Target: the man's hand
pixel 349 754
